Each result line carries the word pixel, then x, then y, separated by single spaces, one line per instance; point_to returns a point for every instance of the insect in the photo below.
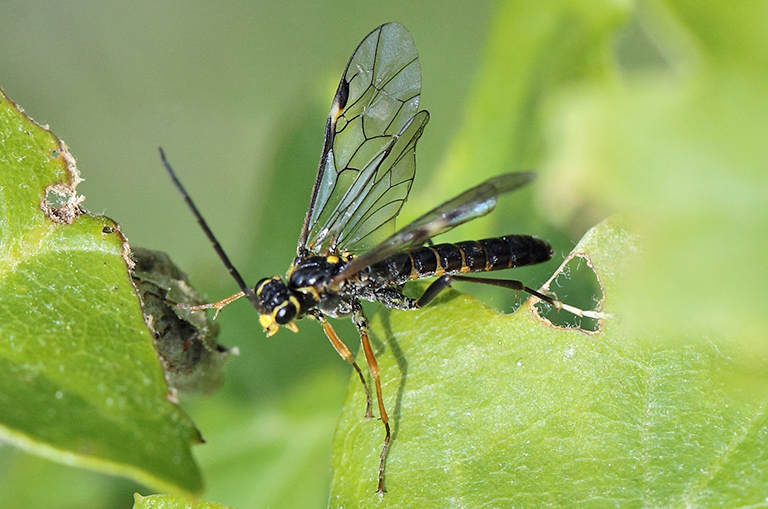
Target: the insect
pixel 348 248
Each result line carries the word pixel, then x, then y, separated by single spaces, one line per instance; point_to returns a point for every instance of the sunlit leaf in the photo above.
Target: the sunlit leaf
pixel 80 382
pixel 506 410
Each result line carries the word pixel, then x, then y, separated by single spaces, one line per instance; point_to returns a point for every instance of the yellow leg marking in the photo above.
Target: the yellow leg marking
pixel 219 305
pixel 373 366
pixel 345 354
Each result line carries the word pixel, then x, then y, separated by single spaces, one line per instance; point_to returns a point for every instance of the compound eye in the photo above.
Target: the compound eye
pixel 285 313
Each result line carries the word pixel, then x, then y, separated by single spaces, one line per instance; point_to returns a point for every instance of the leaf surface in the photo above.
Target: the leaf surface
pixel 80 382
pixel 494 410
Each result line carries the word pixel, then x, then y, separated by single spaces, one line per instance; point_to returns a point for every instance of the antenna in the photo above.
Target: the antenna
pixel 219 250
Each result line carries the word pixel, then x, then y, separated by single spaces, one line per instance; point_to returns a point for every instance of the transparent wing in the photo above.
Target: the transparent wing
pixel 368 160
pixel 471 204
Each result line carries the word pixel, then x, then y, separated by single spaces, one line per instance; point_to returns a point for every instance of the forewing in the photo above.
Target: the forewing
pixel 369 215
pixel 471 204
pixel 367 165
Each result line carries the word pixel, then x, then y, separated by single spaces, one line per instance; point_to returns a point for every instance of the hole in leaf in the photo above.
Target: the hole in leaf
pixel 61 203
pixel 56 198
pixel 575 284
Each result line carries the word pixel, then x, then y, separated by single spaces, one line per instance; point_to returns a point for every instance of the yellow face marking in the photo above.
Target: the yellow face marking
pixel 265 283
pixel 295 303
pixel 259 288
pixel 268 323
pixel 333 259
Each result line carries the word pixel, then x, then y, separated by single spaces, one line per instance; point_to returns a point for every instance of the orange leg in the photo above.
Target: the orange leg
pixel 216 305
pixel 342 350
pixel 362 327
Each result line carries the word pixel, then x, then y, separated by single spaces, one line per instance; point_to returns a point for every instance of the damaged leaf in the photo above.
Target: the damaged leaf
pixel 496 410
pixel 80 382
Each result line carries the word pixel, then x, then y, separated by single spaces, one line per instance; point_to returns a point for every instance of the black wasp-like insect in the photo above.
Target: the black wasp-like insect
pixel 348 249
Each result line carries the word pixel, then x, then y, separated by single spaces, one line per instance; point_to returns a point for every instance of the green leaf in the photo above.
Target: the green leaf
pixel 80 382
pixel 661 120
pixel 656 110
pixel 172 502
pixel 492 410
pixel 677 145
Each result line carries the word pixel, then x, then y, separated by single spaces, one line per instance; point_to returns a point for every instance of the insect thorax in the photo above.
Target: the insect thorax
pixel 314 274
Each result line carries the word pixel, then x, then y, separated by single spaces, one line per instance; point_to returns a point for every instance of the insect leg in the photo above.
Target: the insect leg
pixel 345 354
pixel 518 286
pixel 361 322
pixel 392 298
pixel 434 289
pixel 218 305
pixel 443 282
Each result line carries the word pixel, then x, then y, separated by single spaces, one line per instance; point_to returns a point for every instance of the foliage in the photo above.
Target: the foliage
pixel 80 381
pixel 652 113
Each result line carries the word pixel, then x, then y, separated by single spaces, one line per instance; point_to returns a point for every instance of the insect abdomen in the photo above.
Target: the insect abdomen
pixel 462 257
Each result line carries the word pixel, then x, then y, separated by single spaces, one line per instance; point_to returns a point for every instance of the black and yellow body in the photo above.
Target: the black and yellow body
pixel 348 248
pixel 485 255
pixel 310 282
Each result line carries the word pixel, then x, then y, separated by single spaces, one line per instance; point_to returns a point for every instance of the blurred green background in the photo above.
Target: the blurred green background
pixel 656 110
pixel 230 90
